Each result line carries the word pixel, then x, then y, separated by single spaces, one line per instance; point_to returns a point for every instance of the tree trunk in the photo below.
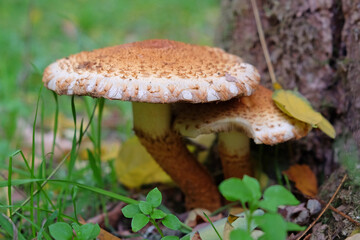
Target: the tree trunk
pixel 315 47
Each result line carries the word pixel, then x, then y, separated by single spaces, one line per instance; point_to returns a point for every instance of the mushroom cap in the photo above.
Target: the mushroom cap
pixel 257 116
pixel 156 71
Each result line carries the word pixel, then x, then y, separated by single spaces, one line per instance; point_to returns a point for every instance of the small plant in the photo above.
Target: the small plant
pixel 248 192
pixel 63 231
pixel 146 211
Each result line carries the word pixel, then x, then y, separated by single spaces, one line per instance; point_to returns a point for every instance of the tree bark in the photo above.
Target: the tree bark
pixel 315 47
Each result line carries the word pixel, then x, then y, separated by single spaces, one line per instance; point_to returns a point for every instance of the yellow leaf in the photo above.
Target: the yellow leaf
pixel 277 86
pixel 135 167
pixel 295 105
pixel 325 126
pixel 304 179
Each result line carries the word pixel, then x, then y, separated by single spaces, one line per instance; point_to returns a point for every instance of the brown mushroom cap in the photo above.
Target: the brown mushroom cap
pixel 157 71
pixel 256 116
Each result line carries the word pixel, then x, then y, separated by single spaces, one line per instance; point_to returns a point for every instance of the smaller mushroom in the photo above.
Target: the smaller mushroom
pixel 236 121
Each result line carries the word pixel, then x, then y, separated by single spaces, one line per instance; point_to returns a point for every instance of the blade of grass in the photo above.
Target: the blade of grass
pixel 98 191
pixel 55 129
pixel 212 225
pixel 57 167
pixel 10 227
pixel 42 168
pixel 32 176
pixel 33 164
pixel 95 169
pixel 33 224
pixel 40 209
pixel 73 154
pixel 49 220
pixel 9 185
pixel 101 103
pixel 16 182
pixel 83 186
pixel 73 197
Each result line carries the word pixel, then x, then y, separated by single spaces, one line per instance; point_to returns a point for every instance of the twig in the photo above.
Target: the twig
pixel 263 42
pixel 326 207
pixel 331 207
pixel 341 213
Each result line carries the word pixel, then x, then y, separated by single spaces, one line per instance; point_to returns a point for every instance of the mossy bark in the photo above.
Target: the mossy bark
pixel 315 48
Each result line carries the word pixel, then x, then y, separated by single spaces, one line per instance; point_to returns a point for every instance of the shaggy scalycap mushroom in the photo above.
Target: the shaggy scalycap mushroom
pixel 237 120
pixel 154 71
pixel 150 74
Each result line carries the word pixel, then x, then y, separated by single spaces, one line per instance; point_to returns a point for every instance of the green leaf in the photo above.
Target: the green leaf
pixel 90 231
pixel 130 210
pixel 6 225
pixel 61 231
pixel 171 221
pixel 139 221
pixel 253 185
pixel 275 196
pixel 154 197
pixel 273 226
pixel 76 228
pixel 157 214
pixel 234 189
pixel 186 237
pixel 170 238
pixel 145 207
pixel 238 234
pixel 290 226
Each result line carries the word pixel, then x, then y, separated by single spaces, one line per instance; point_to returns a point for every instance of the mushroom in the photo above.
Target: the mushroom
pixel 236 121
pixel 152 74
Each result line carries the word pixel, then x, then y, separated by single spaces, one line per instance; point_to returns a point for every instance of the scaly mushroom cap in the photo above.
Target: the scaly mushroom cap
pixel 157 71
pixel 256 115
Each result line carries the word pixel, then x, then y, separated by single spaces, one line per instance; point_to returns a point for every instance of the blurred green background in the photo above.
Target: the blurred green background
pixel 35 33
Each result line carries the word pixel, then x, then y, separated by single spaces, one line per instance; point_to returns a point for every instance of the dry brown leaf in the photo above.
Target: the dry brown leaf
pixel 104 235
pixel 304 179
pixel 196 236
pixel 196 216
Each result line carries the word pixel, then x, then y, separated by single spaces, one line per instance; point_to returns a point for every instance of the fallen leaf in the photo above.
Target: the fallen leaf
pixel 304 179
pixel 228 227
pixel 135 167
pixel 196 236
pixel 196 216
pixel 325 126
pixel 295 105
pixel 354 237
pixel 104 235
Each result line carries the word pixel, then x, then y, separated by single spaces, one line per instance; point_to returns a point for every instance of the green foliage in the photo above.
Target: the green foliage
pixel 275 196
pixel 146 211
pixel 240 234
pixel 247 192
pixel 63 231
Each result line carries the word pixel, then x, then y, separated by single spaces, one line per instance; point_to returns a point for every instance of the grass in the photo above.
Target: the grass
pixel 40 182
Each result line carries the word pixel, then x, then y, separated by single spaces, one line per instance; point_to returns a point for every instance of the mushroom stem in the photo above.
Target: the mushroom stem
pixel 234 151
pixel 152 126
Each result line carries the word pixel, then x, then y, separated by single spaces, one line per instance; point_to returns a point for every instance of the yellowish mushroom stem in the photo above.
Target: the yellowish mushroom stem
pixel 152 123
pixel 234 151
